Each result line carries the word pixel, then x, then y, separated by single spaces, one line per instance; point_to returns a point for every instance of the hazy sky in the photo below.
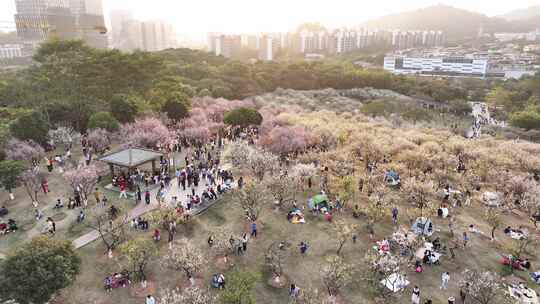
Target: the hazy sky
pixel 201 16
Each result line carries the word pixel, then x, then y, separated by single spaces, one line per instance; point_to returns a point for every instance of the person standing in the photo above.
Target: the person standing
pixel 415 297
pixel 240 182
pixel 303 248
pixel 465 239
pixel 445 277
pixel 45 187
pixel 147 197
pixel 97 196
pixel 244 242
pixel 150 300
pixel 138 195
pixel 294 291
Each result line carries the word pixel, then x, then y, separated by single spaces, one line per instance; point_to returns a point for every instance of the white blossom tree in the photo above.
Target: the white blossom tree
pixel 190 295
pixel 483 287
pixel 184 256
pixel 336 274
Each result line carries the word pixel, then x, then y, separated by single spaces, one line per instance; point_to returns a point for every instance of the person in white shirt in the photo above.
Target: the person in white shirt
pixel 445 277
pixel 150 299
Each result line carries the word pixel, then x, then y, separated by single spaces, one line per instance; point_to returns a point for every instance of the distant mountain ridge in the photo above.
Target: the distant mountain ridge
pixel 523 14
pixel 456 23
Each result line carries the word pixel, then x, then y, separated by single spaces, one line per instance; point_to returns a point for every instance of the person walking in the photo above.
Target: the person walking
pixel 465 239
pixel 395 213
pixel 123 192
pixel 415 297
pixel 463 293
pixel 445 278
pixel 254 229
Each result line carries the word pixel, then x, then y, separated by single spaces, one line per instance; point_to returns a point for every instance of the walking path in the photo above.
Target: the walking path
pixel 143 208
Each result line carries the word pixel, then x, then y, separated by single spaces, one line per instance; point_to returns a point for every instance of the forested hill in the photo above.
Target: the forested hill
pixel 457 23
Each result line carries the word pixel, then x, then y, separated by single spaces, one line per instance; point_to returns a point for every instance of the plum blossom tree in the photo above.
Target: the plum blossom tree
pixel 64 136
pixel 145 132
pixel 27 151
pixel 275 258
pixel 381 267
pixel 419 193
pixel 99 139
pixel 221 245
pixel 31 180
pixel 251 198
pixel 282 188
pixel 137 253
pixel 190 295
pixel 284 139
pixel 186 257
pixel 482 287
pixel 237 154
pixel 342 232
pixel 83 179
pixel 336 274
pixel 260 163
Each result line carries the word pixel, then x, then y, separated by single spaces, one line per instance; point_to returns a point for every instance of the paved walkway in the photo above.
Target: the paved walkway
pixel 143 208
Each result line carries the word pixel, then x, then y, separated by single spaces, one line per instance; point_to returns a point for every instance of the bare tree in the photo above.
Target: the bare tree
pixel 111 231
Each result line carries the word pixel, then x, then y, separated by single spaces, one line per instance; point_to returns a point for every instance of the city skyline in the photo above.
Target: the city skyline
pixel 242 16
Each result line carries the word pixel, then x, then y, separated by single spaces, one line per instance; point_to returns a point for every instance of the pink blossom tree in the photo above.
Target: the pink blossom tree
pixel 83 178
pixel 147 132
pixel 99 139
pixel 27 151
pixel 32 180
pixel 284 139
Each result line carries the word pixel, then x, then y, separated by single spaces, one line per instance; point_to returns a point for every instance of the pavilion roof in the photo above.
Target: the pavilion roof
pixel 131 157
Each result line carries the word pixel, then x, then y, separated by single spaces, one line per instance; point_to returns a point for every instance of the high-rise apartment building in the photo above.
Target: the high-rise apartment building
pixel 90 22
pixel 225 45
pixel 129 34
pixel 266 50
pixel 118 18
pixel 39 20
